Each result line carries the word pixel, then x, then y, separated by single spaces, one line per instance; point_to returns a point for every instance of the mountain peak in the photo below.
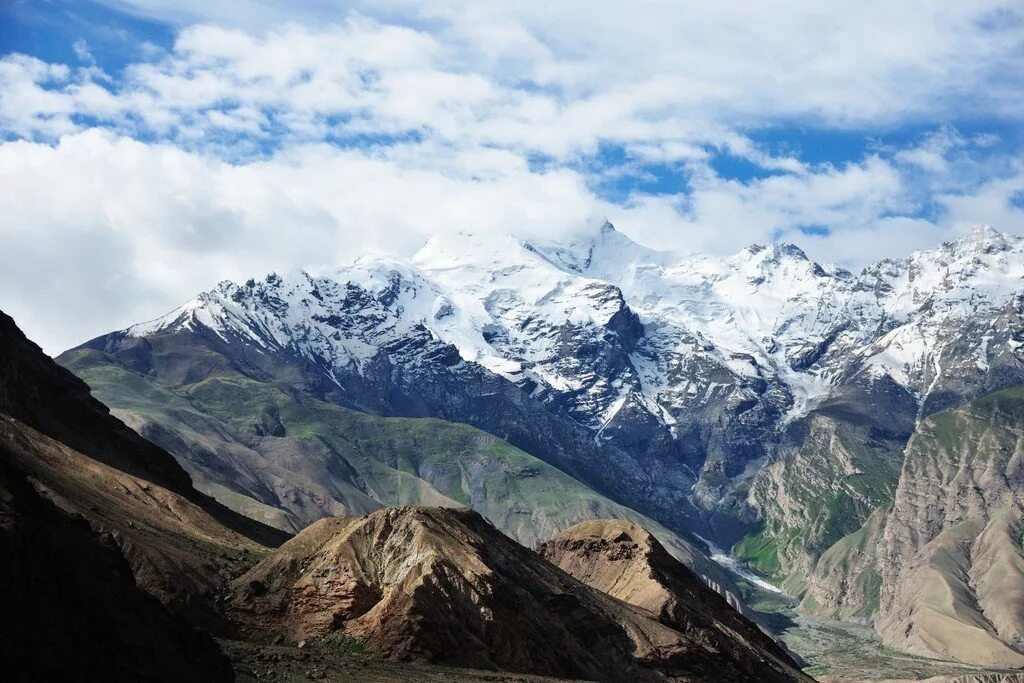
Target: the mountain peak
pixel 981 231
pixel 774 251
pixel 985 238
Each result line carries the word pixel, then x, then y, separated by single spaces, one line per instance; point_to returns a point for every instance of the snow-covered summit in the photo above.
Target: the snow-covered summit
pixel 598 321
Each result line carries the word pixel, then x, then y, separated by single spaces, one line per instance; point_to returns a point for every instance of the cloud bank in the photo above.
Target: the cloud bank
pixel 259 140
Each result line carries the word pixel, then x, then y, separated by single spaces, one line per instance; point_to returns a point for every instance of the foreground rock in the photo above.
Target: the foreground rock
pixel 443 586
pixel 71 609
pixel 626 562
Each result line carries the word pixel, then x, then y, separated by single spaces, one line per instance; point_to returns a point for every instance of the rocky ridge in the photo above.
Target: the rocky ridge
pixel 626 562
pixel 443 586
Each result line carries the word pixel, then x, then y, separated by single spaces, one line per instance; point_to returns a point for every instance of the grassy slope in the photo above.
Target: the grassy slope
pixel 328 460
pixel 833 504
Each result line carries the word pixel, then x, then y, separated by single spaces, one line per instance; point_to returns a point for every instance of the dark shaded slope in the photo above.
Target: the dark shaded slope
pixel 37 392
pixel 70 609
pixel 182 546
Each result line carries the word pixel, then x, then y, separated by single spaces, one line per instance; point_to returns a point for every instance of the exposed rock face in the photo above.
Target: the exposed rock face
pixel 442 585
pixel 626 562
pixel 951 562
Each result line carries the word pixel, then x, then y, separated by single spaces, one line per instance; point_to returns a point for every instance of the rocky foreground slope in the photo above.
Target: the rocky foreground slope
pixel 98 527
pixel 442 585
pixel 70 608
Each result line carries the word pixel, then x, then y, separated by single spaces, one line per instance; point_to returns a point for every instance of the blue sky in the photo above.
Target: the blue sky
pixel 151 148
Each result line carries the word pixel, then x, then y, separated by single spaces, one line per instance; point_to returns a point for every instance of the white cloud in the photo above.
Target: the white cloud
pixel 81 50
pixel 121 230
pixel 840 61
pixel 285 135
pixel 557 82
pixel 100 231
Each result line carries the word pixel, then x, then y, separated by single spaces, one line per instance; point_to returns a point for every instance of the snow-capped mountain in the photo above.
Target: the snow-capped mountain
pixel 693 365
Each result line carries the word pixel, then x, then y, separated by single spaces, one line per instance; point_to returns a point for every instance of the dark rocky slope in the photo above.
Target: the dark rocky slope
pixel 180 543
pixel 71 609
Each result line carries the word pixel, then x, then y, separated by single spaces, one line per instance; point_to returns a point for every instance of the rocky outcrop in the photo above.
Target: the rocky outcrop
pixel 626 562
pixel 442 585
pixel 951 562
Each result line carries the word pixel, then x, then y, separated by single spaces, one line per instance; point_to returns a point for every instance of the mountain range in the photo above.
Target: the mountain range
pixel 116 568
pixel 770 404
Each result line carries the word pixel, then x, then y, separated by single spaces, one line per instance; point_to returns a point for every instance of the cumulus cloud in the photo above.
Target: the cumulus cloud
pixel 556 82
pixel 844 62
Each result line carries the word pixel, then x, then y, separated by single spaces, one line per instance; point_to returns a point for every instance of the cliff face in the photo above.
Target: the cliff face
pixel 951 564
pixel 71 609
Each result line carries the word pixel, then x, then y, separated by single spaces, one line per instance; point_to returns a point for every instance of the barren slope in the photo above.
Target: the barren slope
pixel 624 561
pixel 442 585
pixel 180 543
pixel 952 564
